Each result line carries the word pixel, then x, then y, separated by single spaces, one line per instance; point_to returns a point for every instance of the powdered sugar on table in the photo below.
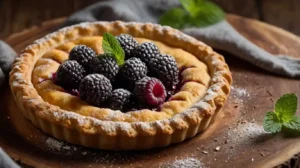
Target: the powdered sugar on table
pixel 186 163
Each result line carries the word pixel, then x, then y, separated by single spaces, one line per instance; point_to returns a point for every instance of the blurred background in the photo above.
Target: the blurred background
pixel 16 15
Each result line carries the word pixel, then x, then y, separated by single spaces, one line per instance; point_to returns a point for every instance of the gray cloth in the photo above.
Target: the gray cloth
pixel 6 161
pixel 7 56
pixel 220 36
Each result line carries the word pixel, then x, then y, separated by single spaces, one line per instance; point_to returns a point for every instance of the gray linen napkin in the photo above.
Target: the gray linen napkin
pixel 6 161
pixel 220 36
pixel 7 56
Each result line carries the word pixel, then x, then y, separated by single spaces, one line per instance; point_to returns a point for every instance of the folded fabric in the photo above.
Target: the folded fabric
pixel 6 161
pixel 220 36
pixel 7 56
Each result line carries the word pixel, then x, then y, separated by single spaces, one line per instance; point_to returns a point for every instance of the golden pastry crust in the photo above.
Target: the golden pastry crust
pixel 205 75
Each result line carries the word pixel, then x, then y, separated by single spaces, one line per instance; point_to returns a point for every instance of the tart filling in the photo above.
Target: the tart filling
pixel 194 75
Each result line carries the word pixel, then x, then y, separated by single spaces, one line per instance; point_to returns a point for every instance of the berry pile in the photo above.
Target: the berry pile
pixel 127 76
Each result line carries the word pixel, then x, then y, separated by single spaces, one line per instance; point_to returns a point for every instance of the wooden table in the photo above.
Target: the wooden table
pixel 237 138
pixel 15 15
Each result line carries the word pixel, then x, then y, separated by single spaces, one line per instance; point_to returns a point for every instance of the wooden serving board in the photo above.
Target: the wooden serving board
pixel 236 139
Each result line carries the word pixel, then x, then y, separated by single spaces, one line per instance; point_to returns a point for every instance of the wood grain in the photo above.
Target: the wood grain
pixel 285 14
pixel 246 8
pixel 243 111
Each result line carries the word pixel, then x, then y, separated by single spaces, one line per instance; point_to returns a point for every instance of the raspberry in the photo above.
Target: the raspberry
pixel 150 91
pixel 69 75
pixel 133 70
pixel 83 55
pixel 119 99
pixel 128 44
pixel 164 67
pixel 95 89
pixel 146 51
pixel 106 65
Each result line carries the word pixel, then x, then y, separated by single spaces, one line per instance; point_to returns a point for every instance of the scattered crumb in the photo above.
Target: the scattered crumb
pixel 252 159
pixel 262 154
pixel 217 148
pixel 205 152
pixel 66 147
pixel 84 153
pixel 270 94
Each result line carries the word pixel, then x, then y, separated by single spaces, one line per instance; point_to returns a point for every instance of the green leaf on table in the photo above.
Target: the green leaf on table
pixel 175 17
pixel 286 107
pixel 112 46
pixel 293 124
pixel 272 123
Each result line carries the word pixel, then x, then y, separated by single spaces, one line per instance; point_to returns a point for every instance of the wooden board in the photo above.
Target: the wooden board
pixel 237 132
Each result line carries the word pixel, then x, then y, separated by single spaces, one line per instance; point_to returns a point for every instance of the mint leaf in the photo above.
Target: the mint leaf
pixel 112 46
pixel 175 17
pixel 286 107
pixel 199 13
pixel 293 124
pixel 272 123
pixel 191 6
pixel 207 14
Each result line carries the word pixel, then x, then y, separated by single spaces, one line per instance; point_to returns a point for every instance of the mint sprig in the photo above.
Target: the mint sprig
pixel 112 46
pixel 283 115
pixel 199 13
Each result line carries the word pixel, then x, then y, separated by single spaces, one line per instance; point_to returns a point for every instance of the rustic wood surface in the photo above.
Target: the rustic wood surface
pixel 16 15
pixel 238 131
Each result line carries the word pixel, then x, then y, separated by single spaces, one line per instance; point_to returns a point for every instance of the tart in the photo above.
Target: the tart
pixel 204 85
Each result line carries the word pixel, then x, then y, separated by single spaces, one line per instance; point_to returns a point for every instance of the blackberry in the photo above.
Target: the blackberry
pixel 133 70
pixel 119 99
pixel 164 67
pixel 95 89
pixel 150 91
pixel 106 65
pixel 69 75
pixel 146 51
pixel 83 55
pixel 128 44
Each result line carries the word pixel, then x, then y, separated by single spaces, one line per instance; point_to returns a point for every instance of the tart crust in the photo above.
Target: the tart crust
pixel 140 130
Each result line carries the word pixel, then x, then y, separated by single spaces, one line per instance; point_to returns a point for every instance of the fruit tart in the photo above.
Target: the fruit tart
pixel 120 86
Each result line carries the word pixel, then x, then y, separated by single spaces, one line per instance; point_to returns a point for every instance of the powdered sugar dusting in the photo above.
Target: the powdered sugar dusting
pixel 54 144
pixel 239 94
pixel 43 67
pixel 184 163
pixel 245 133
pixel 60 146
